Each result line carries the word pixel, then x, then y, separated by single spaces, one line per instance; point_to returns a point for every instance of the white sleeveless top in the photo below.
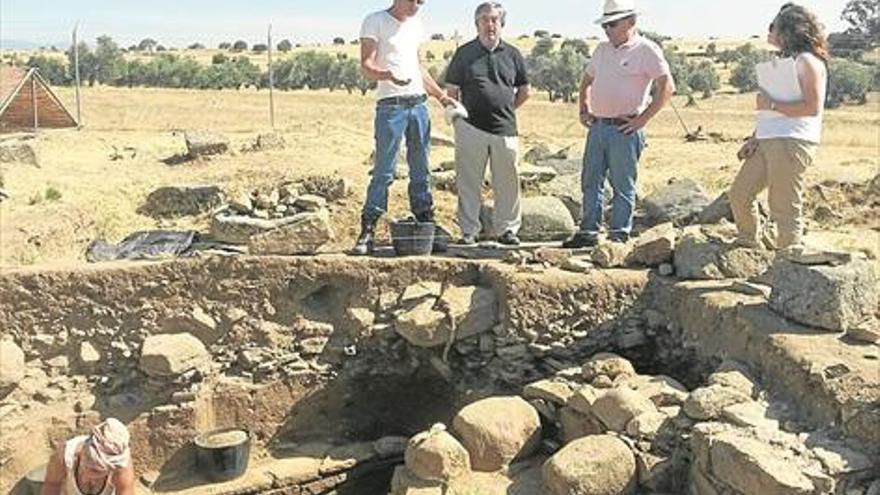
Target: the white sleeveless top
pixel 772 124
pixel 70 487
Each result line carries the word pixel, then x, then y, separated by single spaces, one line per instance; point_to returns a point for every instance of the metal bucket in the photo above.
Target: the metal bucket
pixel 222 455
pixel 33 481
pixel 413 238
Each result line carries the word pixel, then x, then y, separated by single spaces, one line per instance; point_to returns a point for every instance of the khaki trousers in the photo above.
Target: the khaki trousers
pixel 473 149
pixel 778 164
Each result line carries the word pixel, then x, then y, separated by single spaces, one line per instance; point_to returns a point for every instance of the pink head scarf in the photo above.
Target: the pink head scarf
pixel 107 447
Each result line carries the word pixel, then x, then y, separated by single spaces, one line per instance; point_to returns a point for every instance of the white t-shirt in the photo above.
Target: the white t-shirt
pixel 776 125
pixel 398 51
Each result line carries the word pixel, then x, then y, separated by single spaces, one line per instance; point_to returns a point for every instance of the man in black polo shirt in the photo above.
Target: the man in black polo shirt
pixel 489 77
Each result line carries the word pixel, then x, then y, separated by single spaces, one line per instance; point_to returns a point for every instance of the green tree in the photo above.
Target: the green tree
pixel 239 46
pixel 147 45
pixel 704 78
pixel 51 68
pixel 543 47
pixel 285 46
pixel 848 82
pixel 88 64
pixel 863 16
pixel 110 61
pixel 743 76
pixel 577 45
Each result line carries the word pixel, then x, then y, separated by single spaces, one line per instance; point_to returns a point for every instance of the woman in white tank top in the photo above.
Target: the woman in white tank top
pixel 95 464
pixel 787 134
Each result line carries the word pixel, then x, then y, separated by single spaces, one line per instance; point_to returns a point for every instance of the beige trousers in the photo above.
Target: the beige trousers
pixel 473 149
pixel 778 164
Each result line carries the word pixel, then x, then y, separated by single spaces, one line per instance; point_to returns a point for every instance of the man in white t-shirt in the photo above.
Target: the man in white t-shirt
pixel 390 42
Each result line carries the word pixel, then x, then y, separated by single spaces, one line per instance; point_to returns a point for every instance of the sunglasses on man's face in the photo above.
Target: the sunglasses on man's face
pixel 417 2
pixel 611 25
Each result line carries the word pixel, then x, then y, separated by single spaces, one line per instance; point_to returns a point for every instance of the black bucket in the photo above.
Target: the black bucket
pixel 222 455
pixel 412 238
pixel 33 481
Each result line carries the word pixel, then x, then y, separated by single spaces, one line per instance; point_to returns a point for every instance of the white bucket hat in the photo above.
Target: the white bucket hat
pixel 617 9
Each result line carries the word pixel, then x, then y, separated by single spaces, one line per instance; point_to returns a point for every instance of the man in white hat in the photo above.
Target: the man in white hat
pixel 616 105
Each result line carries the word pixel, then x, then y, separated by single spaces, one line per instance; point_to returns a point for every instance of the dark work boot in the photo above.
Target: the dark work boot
pixel 364 244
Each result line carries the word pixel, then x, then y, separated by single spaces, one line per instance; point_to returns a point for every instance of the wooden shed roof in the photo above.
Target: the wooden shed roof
pixel 24 93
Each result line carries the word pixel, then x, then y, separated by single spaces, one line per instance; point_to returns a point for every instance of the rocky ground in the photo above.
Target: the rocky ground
pixel 734 370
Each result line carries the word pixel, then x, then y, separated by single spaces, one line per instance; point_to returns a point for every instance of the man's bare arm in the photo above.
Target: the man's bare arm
pixel 370 68
pixel 434 89
pixel 453 91
pixel 586 113
pixel 124 481
pixel 55 474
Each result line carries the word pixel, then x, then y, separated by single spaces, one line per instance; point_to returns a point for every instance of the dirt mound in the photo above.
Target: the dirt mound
pixel 835 203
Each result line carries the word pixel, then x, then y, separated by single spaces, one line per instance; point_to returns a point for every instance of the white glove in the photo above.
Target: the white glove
pixel 455 111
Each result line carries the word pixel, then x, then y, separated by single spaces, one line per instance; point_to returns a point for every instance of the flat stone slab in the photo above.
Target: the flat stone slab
pixel 829 378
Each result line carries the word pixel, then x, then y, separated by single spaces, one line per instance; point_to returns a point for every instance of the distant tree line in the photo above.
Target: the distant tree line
pixel 554 70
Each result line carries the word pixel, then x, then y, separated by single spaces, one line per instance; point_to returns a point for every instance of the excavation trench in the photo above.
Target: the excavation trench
pixel 330 364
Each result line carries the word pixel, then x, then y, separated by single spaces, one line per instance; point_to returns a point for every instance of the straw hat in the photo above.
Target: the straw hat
pixel 617 9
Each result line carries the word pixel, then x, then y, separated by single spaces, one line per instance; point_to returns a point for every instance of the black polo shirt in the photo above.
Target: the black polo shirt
pixel 488 82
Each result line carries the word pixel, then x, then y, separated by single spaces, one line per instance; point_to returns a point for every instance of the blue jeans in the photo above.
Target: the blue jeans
pixel 393 122
pixel 610 153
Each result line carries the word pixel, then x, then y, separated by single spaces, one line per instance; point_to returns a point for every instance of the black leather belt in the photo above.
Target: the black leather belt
pixel 617 121
pixel 409 100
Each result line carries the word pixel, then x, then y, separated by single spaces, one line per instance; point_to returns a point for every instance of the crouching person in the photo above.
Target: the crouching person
pixel 94 464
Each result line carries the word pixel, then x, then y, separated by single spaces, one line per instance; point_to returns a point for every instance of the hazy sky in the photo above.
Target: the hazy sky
pixel 181 22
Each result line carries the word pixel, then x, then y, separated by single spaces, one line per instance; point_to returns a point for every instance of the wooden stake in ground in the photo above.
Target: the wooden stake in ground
pixel 271 83
pixel 34 103
pixel 76 75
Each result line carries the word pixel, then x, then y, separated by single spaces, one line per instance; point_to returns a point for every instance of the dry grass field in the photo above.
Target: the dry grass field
pixel 332 133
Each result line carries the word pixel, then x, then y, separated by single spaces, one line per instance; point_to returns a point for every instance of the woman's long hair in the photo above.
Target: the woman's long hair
pixel 800 31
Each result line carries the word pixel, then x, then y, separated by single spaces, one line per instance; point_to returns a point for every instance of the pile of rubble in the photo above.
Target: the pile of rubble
pixel 604 429
pixel 292 218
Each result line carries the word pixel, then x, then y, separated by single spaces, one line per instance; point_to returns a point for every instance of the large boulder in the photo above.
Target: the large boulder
pixel 739 462
pixel 654 247
pixel 425 320
pixel 179 201
pixel 14 151
pixel 173 354
pixel 306 233
pixel 836 298
pixel 717 211
pixel 607 364
pixel 498 430
pixel 435 455
pixel 544 218
pixel 11 364
pixel 238 229
pixel 681 202
pixel 404 482
pixel 568 189
pixel 593 465
pixel 617 407
pixel 330 187
pixel 710 254
pixel 205 143
pixel 707 403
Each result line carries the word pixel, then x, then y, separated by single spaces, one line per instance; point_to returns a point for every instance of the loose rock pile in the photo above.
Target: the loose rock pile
pixel 289 219
pixel 604 429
